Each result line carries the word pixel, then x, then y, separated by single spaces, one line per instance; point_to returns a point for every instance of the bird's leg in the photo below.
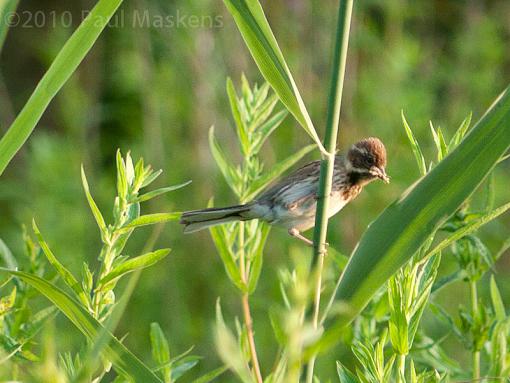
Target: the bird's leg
pixel 296 234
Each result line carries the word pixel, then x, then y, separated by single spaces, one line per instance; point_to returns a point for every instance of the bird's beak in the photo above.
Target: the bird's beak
pixel 380 173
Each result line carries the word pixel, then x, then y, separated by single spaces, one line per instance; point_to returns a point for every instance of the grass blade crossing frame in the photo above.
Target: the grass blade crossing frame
pixel 59 72
pixel 116 352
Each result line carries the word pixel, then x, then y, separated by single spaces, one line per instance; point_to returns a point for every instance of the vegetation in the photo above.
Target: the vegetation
pixel 418 300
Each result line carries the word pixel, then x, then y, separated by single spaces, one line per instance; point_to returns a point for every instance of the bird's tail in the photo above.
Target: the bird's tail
pixel 196 220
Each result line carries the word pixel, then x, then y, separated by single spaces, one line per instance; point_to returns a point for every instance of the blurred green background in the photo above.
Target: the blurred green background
pixel 156 88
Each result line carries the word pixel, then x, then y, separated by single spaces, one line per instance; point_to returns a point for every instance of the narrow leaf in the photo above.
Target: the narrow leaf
pixel 229 173
pixel 116 352
pixel 65 274
pixel 150 219
pixel 256 267
pixel 156 193
pixel 210 376
pixel 418 154
pixel 241 128
pixel 160 350
pixel 66 62
pixel 469 228
pixel 497 302
pixel 132 264
pixel 259 38
pixel 219 237
pixel 267 129
pixel 93 207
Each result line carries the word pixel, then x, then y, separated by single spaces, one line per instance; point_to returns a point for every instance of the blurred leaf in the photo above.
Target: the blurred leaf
pixel 6 8
pixel 65 274
pixel 497 302
pixel 66 62
pixel 93 207
pixel 228 349
pixel 259 38
pixel 160 350
pixel 210 376
pixel 460 133
pixel 241 128
pixel 276 171
pixel 405 225
pixel 230 174
pixel 116 352
pixel 122 182
pixel 467 229
pixel 6 255
pixel 345 375
pixel 150 219
pixel 258 256
pixel 183 366
pixel 156 193
pixel 219 237
pixel 132 264
pixel 268 128
pixel 418 154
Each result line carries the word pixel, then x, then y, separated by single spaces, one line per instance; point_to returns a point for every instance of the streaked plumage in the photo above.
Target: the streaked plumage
pixel 291 202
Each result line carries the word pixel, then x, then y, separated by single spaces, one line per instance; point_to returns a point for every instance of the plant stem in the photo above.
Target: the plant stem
pixel 328 163
pixel 401 368
pixel 474 308
pixel 245 300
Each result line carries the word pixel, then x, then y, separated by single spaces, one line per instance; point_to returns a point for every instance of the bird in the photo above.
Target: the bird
pixel 291 202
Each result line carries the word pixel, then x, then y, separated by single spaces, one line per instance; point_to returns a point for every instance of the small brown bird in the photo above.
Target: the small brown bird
pixel 292 202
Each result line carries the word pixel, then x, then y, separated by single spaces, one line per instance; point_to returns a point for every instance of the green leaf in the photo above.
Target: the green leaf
pixel 469 228
pixel 7 7
pixel 65 274
pixel 132 264
pixel 227 256
pixel 149 219
pixel 398 233
pixel 66 62
pixel 345 375
pixel 259 38
pixel 460 133
pixel 241 128
pixel 229 173
pixel 6 255
pixel 116 352
pixel 160 351
pixel 276 171
pixel 418 154
pixel 256 266
pixel 93 207
pixel 122 182
pixel 497 302
pixel 158 192
pixel 210 376
pixel 267 129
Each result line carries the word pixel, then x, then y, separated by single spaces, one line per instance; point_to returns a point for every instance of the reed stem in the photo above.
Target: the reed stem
pixel 328 163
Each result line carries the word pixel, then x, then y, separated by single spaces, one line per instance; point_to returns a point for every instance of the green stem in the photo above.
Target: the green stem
pixel 7 7
pixel 401 368
pixel 327 164
pixel 475 312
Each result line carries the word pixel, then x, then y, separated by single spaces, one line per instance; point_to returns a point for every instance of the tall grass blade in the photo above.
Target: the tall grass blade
pixel 59 72
pixel 261 42
pixel 117 353
pixel 406 224
pixel 7 7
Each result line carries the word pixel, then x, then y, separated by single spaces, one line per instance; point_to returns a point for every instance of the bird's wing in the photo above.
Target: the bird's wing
pixel 299 185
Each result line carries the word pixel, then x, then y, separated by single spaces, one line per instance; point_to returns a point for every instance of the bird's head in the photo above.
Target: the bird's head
pixel 367 160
